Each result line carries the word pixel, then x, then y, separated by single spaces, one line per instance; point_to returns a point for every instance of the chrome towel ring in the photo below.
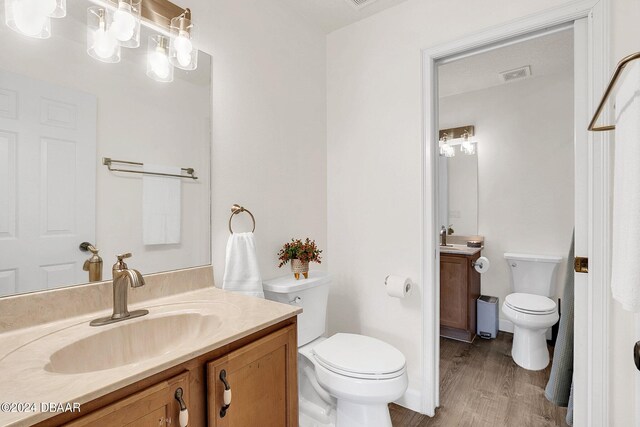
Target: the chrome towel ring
pixel 236 209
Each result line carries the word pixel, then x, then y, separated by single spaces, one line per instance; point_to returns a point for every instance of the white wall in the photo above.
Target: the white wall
pixel 525 170
pixel 624 393
pixel 269 124
pixel 374 124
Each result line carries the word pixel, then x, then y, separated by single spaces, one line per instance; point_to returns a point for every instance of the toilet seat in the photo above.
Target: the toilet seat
pixel 360 357
pixel 530 304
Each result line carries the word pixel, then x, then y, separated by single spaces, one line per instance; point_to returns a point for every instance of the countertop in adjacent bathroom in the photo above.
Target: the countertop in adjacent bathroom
pixel 459 250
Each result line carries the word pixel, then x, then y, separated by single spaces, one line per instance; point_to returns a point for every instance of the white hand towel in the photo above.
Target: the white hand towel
pixel 161 206
pixel 241 273
pixel 625 277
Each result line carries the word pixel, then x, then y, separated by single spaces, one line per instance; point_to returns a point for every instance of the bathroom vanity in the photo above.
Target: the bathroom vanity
pixel 199 339
pixel 459 290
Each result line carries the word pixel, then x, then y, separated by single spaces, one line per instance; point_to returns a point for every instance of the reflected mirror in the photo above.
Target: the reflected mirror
pixel 61 113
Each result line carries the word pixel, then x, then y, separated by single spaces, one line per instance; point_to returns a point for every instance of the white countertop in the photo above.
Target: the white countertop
pixel 24 353
pixel 459 250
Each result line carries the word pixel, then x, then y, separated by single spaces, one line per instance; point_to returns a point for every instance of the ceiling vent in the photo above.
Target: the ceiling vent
pixel 515 74
pixel 359 4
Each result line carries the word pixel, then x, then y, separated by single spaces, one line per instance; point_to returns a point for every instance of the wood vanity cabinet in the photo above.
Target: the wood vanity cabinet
pixel 261 370
pixel 459 290
pixel 258 376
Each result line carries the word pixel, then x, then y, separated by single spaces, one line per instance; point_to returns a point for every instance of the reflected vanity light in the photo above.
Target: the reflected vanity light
pixel 32 18
pixel 462 136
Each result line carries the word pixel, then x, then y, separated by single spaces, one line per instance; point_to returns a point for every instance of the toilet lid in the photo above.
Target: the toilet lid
pixel 359 356
pixel 531 304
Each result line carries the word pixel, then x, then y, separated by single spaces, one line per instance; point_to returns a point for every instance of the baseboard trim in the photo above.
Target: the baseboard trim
pixel 411 400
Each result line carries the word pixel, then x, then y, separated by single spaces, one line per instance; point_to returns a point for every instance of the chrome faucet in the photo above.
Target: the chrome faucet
pixel 443 236
pixel 122 277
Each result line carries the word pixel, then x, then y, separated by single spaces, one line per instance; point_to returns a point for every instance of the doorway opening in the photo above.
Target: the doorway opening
pixel 505 209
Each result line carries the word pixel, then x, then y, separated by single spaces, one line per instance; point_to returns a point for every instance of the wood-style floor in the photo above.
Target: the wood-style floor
pixel 480 385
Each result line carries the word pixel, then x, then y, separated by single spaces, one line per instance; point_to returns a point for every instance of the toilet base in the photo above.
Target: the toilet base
pixel 529 349
pixel 352 414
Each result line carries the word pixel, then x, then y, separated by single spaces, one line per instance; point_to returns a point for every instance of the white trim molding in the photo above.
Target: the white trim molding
pixel 590 408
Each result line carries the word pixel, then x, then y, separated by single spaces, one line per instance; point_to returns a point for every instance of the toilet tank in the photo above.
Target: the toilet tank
pixel 533 274
pixel 311 294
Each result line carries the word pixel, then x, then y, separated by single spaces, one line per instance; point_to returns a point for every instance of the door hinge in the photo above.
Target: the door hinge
pixel 581 264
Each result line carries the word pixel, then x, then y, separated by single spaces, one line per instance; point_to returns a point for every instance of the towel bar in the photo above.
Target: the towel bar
pixel 236 209
pixel 612 83
pixel 107 161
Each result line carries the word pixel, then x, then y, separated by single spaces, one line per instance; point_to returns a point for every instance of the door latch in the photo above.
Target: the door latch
pixel 581 264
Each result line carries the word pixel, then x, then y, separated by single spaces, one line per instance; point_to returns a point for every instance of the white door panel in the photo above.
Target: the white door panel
pixel 47 183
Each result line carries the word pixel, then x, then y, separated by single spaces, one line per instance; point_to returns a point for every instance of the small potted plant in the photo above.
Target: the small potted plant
pixel 300 254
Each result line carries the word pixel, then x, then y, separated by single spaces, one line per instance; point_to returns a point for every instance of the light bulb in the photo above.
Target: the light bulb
pixel 104 42
pixel 160 63
pixel 124 23
pixel 183 47
pixel 29 17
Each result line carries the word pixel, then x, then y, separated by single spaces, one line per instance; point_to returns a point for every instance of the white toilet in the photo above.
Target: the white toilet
pixel 346 380
pixel 530 308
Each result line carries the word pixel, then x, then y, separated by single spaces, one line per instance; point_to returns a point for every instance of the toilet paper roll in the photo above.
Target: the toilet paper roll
pixel 482 265
pixel 398 287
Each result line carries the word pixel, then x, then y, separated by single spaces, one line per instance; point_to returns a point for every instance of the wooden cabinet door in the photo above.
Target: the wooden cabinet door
pixel 453 291
pixel 263 381
pixel 155 406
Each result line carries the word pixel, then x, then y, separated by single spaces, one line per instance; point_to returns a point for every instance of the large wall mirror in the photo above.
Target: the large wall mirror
pixel 61 113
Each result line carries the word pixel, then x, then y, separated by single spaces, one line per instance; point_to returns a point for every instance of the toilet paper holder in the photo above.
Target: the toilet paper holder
pixel 479 263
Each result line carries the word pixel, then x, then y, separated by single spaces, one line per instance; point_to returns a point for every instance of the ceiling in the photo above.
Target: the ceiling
pixel 333 14
pixel 549 54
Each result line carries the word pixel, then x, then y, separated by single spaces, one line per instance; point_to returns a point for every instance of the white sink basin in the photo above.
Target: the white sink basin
pixel 168 330
pixel 132 341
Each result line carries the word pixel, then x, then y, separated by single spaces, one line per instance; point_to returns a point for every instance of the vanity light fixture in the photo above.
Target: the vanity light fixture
pixel 112 24
pixel 181 51
pixel 32 18
pixel 102 43
pixel 461 136
pixel 158 66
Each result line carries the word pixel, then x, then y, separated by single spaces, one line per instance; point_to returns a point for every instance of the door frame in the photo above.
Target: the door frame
pixel 592 400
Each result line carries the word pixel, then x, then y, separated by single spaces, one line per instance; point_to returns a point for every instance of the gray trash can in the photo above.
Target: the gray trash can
pixel 487 312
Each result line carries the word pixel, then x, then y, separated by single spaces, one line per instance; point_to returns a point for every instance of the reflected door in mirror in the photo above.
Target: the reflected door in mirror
pixel 47 183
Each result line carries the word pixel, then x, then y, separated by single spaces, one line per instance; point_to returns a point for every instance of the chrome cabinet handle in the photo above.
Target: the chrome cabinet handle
pixel 226 394
pixel 183 417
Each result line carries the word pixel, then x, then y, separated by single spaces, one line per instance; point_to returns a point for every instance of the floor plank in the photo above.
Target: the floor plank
pixel 480 386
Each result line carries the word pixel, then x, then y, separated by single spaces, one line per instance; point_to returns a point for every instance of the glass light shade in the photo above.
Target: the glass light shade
pixel 447 150
pixel 29 17
pixel 101 41
pixel 126 23
pixel 182 52
pixel 468 147
pixel 159 67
